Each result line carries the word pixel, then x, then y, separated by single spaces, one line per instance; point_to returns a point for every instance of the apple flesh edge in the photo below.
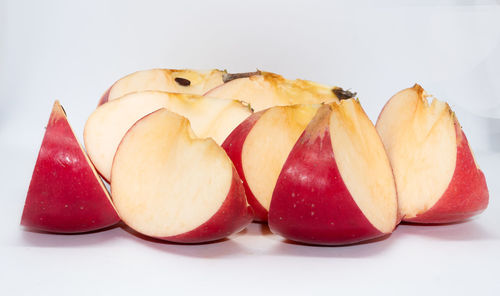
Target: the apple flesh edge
pixel 310 203
pixel 467 194
pixel 105 96
pixel 232 217
pixel 233 145
pixel 65 194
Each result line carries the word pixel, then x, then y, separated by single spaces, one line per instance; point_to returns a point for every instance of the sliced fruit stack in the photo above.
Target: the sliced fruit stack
pixel 321 175
pixel 189 161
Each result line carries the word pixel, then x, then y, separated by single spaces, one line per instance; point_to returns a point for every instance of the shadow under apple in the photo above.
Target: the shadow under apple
pixel 54 240
pixel 216 249
pixel 468 230
pixel 359 250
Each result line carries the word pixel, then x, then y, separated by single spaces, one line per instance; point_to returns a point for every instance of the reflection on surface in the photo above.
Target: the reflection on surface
pixel 258 240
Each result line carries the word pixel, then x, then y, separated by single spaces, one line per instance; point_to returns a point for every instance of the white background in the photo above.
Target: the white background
pixel 73 50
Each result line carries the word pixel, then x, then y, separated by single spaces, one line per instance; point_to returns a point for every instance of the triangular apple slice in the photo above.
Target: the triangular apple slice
pixel 106 126
pixel 169 184
pixel 179 81
pixel 65 194
pixel 263 90
pixel 336 186
pixel 259 147
pixel 437 178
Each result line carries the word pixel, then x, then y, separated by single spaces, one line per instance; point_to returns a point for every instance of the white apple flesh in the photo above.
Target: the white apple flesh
pixel 437 178
pixel 105 127
pixel 178 81
pixel 171 185
pixel 260 146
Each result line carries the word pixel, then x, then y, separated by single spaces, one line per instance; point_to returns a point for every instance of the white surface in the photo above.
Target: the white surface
pixel 74 51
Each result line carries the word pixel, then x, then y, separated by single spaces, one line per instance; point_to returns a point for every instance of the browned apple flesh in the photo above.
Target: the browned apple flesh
pixel 265 89
pixel 105 127
pixel 168 183
pixel 179 81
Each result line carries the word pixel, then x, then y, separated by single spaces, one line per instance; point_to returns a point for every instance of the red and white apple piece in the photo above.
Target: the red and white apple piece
pixel 336 186
pixel 104 129
pixel 263 90
pixel 65 194
pixel 259 147
pixel 179 81
pixel 437 177
pixel 171 185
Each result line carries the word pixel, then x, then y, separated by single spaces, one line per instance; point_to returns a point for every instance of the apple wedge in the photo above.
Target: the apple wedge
pixel 263 90
pixel 336 186
pixel 171 185
pixel 259 147
pixel 179 81
pixel 437 177
pixel 106 126
pixel 65 194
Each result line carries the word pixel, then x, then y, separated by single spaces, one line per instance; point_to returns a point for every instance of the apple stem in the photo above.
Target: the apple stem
pixel 232 76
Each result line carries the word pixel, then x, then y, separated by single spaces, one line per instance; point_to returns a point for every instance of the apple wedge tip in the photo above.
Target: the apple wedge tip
pixel 336 186
pixel 65 195
pixel 437 177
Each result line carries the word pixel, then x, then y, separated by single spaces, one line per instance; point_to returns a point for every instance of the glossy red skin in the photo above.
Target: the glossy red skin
pixel 233 216
pixel 311 204
pixel 105 96
pixel 234 148
pixel 467 194
pixel 65 195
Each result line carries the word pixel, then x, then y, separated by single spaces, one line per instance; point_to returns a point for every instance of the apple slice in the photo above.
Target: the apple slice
pixel 263 90
pixel 171 185
pixel 437 177
pixel 65 194
pixel 179 81
pixel 259 147
pixel 336 186
pixel 106 126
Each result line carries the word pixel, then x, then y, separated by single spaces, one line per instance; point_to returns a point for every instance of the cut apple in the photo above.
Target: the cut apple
pixel 210 117
pixel 260 146
pixel 171 185
pixel 65 194
pixel 438 180
pixel 263 90
pixel 179 81
pixel 336 186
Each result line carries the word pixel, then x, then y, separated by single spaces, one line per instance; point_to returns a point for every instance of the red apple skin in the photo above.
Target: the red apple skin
pixel 467 194
pixel 311 204
pixel 233 216
pixel 105 96
pixel 65 195
pixel 233 146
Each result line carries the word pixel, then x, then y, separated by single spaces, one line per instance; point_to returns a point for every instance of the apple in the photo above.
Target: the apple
pixel 336 186
pixel 264 89
pixel 180 81
pixel 169 184
pixel 104 129
pixel 437 177
pixel 65 194
pixel 259 147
